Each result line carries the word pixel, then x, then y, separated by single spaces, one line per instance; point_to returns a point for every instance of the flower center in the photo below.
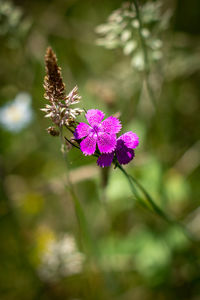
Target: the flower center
pixel 95 129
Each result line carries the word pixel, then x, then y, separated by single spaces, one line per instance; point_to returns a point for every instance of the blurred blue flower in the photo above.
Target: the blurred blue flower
pixel 17 114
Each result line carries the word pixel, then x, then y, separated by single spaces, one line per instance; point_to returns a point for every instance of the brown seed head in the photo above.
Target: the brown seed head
pixel 53 82
pixel 59 109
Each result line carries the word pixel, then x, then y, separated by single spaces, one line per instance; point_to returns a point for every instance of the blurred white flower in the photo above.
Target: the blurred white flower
pixel 130 47
pixel 156 44
pixel 126 35
pixel 138 61
pixel 145 32
pixel 135 24
pixel 61 259
pixel 17 114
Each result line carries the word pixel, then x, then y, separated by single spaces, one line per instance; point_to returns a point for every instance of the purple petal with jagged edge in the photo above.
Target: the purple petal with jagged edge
pixel 111 125
pixel 105 160
pixel 106 142
pixel 82 130
pixel 123 153
pixel 88 145
pixel 94 116
pixel 131 140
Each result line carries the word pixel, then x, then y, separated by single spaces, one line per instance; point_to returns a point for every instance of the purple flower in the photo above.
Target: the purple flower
pixel 124 150
pixel 101 133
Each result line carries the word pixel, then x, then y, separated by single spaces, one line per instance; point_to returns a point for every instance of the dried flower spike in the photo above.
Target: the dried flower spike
pixel 58 110
pixel 53 82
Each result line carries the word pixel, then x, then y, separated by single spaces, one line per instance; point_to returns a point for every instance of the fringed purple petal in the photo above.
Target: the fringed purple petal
pixel 130 139
pixel 82 130
pixel 124 154
pixel 88 145
pixel 94 116
pixel 105 160
pixel 106 142
pixel 111 125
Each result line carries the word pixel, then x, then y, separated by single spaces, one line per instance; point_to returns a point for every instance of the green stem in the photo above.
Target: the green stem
pixel 69 129
pixel 86 238
pixel 71 143
pixel 145 55
pixel 132 187
pixel 152 203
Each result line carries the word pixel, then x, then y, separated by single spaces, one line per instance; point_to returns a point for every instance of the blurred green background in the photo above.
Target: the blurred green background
pixel 139 255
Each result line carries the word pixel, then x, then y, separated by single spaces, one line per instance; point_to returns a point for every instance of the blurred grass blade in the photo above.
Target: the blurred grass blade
pixel 152 203
pixel 86 237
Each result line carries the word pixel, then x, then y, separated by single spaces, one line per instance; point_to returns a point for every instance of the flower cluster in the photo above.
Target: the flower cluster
pixel 102 133
pixel 99 136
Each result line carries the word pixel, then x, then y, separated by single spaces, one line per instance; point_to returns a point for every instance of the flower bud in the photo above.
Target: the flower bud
pixel 53 131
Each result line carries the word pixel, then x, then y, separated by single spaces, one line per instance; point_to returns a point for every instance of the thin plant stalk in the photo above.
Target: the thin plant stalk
pixel 145 55
pixel 80 215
